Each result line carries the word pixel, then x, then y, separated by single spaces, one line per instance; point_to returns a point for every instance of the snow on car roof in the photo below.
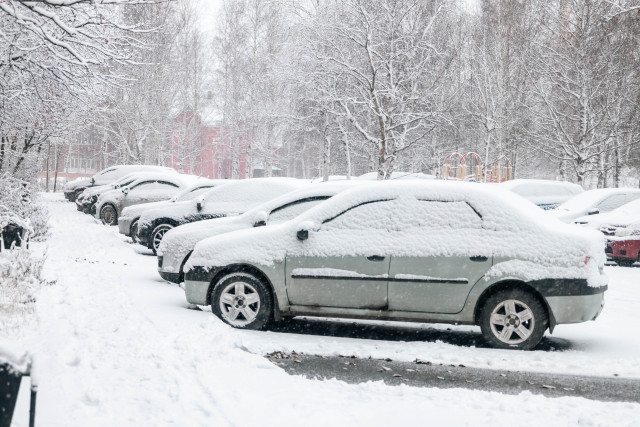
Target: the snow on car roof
pixel 373 176
pixel 589 198
pixel 545 185
pixel 251 189
pixel 509 228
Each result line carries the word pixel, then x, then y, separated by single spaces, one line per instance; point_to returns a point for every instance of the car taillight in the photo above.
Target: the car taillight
pixel 585 261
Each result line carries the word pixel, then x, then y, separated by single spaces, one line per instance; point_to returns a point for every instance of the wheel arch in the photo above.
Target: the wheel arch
pixel 246 268
pixel 512 284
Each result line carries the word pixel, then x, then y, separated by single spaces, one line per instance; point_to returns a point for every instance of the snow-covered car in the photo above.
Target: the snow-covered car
pixel 608 222
pixel 86 200
pixel 594 202
pixel 147 188
pixel 544 193
pixel 373 176
pixel 128 219
pixel 232 199
pixel 624 247
pixel 413 251
pixel 177 244
pixel 106 176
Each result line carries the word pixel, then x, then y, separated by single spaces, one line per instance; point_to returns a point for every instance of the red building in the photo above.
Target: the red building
pixel 206 149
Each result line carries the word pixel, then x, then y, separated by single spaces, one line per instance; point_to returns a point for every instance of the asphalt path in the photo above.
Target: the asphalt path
pixel 423 373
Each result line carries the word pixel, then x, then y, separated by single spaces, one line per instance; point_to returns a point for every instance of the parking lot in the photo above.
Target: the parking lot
pixel 114 342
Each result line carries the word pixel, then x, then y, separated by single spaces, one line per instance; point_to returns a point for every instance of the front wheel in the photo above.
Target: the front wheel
pixel 513 319
pixel 109 215
pixel 242 301
pixel 157 235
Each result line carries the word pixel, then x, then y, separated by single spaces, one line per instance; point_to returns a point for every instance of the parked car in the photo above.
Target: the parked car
pixel 624 247
pixel 608 222
pixel 373 176
pixel 106 176
pixel 594 202
pixel 543 193
pixel 413 251
pixel 128 220
pixel 151 187
pixel 86 200
pixel 177 244
pixel 231 199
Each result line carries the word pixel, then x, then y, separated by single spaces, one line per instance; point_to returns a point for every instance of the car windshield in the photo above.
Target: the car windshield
pixel 583 201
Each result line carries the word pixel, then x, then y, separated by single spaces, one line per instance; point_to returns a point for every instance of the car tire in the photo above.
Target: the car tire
pixel 133 231
pixel 157 235
pixel 625 262
pixel 76 193
pixel 524 314
pixel 109 215
pixel 242 301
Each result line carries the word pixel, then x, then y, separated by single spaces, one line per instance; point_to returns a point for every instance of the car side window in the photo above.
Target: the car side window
pixel 292 210
pixel 144 184
pixel 611 202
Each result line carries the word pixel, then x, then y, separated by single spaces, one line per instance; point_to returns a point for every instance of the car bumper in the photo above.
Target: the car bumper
pixel 196 291
pixel 170 264
pixel 576 308
pixel 124 225
pixel 70 196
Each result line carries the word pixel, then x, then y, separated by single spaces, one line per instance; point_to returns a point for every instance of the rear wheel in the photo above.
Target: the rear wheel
pixel 625 262
pixel 109 215
pixel 513 319
pixel 157 235
pixel 243 301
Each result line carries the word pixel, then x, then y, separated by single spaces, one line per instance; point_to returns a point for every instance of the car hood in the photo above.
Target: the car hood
pixel 184 238
pixel 77 183
pixel 598 220
pixel 138 210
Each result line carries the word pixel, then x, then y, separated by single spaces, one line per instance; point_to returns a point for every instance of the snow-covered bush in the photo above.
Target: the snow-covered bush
pixel 20 280
pixel 16 200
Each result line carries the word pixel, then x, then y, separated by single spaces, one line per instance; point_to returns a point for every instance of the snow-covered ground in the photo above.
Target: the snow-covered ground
pixel 115 345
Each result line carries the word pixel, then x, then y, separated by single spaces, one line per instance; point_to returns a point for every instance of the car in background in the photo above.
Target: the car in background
pixel 373 176
pixel 106 176
pixel 441 252
pixel 86 200
pixel 177 244
pixel 609 222
pixel 231 199
pixel 624 246
pixel 543 193
pixel 128 220
pixel 150 187
pixel 593 202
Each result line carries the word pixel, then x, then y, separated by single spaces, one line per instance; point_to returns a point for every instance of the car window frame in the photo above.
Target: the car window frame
pixel 297 202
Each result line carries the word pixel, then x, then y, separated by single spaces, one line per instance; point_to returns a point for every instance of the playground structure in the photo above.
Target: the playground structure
pixel 460 167
pixel 469 167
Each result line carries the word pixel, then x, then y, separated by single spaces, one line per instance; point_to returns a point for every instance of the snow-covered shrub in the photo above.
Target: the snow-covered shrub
pixel 16 200
pixel 20 280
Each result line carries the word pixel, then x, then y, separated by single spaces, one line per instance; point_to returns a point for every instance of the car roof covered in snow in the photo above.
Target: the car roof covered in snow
pixel 591 197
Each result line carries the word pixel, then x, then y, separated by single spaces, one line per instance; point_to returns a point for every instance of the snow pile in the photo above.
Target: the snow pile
pixel 419 219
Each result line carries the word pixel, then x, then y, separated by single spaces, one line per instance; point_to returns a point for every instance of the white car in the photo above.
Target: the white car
pixel 128 219
pixel 544 193
pixel 150 187
pixel 177 244
pixel 593 202
pixel 231 199
pixel 107 176
pixel 608 222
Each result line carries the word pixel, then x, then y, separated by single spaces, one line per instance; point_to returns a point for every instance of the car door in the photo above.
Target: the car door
pixel 335 268
pixel 440 281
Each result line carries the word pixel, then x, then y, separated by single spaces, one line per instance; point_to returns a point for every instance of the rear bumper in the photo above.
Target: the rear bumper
pixel 622 249
pixel 170 277
pixel 124 225
pixel 576 308
pixel 196 291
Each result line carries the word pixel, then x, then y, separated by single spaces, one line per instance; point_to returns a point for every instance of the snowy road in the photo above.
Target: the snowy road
pixel 115 345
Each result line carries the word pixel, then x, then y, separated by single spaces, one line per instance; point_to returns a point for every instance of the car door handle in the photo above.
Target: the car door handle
pixel 478 258
pixel 375 258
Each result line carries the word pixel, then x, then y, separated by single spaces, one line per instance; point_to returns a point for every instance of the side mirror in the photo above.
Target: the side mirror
pixel 593 211
pixel 200 203
pixel 125 190
pixel 260 219
pixel 302 234
pixel 116 186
